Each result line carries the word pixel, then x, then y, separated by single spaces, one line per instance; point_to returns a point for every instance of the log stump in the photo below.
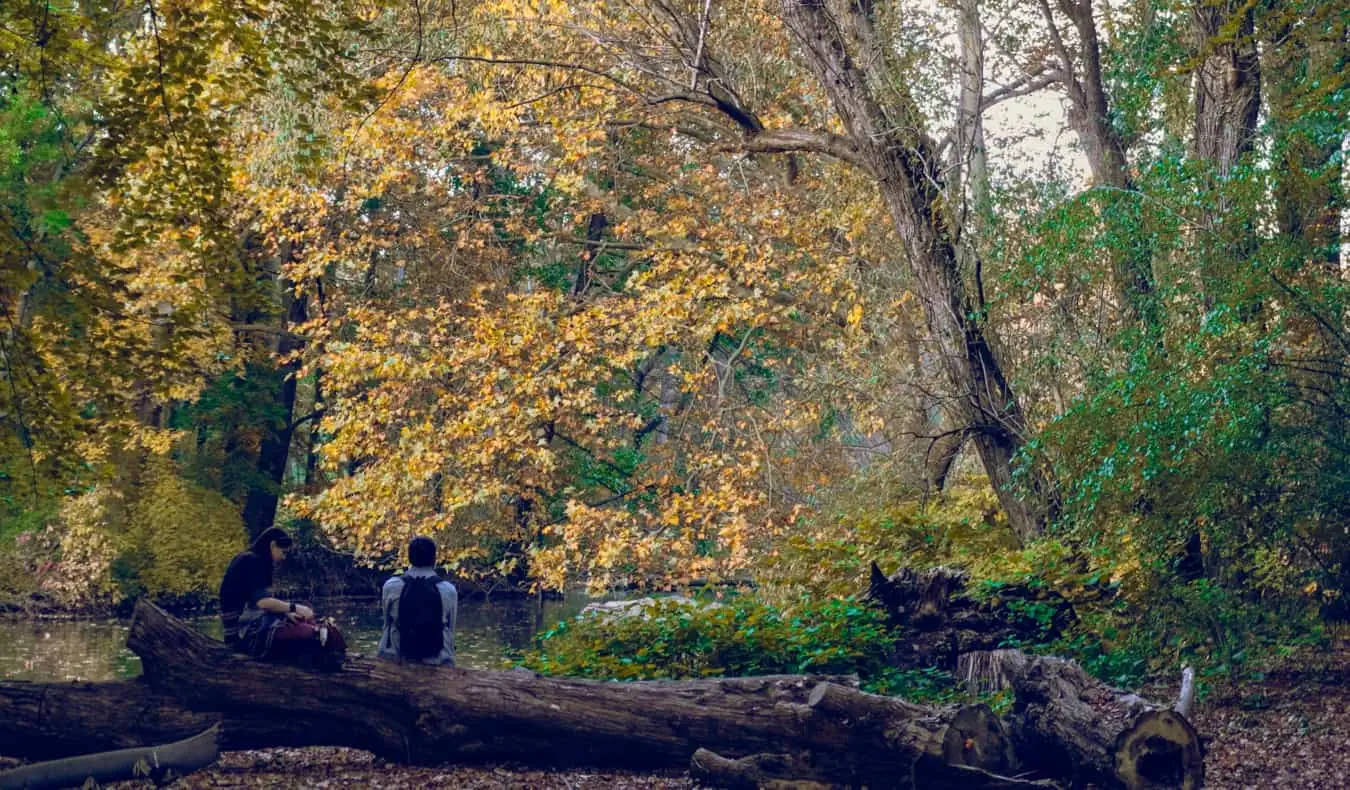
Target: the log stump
pixel 1063 718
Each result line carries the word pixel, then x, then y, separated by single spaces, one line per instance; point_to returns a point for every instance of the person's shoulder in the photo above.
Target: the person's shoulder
pixel 393 581
pixel 243 559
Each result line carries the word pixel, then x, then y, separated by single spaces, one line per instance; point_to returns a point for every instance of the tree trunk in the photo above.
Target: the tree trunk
pixel 908 173
pixel 1227 85
pixel 431 715
pixel 968 171
pixel 260 507
pixel 161 764
pixel 939 622
pixel 1064 717
pixel 49 721
pixel 1227 103
pixel 1090 116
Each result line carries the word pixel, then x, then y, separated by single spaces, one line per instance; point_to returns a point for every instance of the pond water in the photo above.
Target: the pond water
pixel 487 635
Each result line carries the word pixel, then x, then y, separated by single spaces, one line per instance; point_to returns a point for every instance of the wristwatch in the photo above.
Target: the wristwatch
pixel 292 606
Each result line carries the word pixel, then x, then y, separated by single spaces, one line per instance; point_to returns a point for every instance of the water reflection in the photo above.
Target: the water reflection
pixel 65 650
pixel 488 635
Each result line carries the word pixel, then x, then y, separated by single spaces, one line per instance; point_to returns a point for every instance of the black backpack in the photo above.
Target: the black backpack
pixel 420 618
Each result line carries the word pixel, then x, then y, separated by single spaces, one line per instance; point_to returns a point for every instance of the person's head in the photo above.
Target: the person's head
pixel 272 545
pixel 422 552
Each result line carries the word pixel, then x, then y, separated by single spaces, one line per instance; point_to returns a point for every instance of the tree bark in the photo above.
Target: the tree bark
pixel 1227 85
pixel 50 721
pixel 1064 717
pixel 161 764
pixel 940 621
pixel 1089 114
pixel 1227 103
pixel 260 506
pixel 907 170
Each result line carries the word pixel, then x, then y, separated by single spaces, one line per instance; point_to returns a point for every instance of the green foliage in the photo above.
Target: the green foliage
pixel 742 636
pixel 231 418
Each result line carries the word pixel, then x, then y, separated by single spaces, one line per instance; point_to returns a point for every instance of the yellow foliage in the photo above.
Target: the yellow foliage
pixel 833 554
pixel 962 527
pixel 187 535
pixel 162 535
pixel 84 551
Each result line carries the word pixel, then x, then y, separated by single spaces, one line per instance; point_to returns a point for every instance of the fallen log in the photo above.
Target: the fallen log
pixel 50 721
pixel 426 715
pixel 162 764
pixel 1064 718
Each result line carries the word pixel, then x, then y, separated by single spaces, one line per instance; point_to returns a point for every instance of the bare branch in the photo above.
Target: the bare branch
pixel 781 141
pixel 1038 78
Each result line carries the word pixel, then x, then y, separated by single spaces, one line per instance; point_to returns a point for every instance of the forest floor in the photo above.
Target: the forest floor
pixel 1289 727
pixel 1285 728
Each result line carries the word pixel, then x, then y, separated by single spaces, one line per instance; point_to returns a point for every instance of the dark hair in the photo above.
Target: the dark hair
pixel 422 552
pixel 262 546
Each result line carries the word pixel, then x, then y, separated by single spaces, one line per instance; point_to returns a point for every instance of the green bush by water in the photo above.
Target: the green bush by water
pixel 740 637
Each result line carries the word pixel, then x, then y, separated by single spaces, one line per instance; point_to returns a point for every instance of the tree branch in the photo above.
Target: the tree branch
pixel 1038 78
pixel 781 141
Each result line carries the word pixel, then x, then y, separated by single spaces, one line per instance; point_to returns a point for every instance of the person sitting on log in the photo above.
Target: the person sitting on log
pixel 419 609
pixel 264 626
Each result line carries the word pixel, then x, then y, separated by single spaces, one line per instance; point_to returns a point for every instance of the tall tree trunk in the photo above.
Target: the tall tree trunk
pixel 260 507
pixel 968 172
pixel 1227 103
pixel 1089 115
pixel 1309 186
pixel 904 163
pixel 1227 84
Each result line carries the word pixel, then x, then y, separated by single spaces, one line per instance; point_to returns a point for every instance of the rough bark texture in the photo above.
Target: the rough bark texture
pixel 161 764
pixel 908 172
pixel 939 621
pixel 1064 718
pixel 1228 83
pixel 1227 103
pixel 49 721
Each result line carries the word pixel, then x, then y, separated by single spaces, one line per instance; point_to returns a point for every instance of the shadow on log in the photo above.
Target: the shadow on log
pixel 49 721
pixel 161 764
pixel 1063 717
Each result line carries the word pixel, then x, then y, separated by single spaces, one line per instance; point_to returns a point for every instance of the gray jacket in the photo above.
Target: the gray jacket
pixel 389 606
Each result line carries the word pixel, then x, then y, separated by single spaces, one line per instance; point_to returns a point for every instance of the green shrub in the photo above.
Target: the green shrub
pixel 743 636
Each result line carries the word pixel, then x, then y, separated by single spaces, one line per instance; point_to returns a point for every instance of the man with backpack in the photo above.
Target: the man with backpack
pixel 419 611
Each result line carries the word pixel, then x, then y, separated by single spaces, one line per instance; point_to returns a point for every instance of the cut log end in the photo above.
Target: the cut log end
pixel 975 737
pixel 1160 749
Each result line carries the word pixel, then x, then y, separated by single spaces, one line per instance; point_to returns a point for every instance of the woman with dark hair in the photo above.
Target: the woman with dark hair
pixel 260 624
